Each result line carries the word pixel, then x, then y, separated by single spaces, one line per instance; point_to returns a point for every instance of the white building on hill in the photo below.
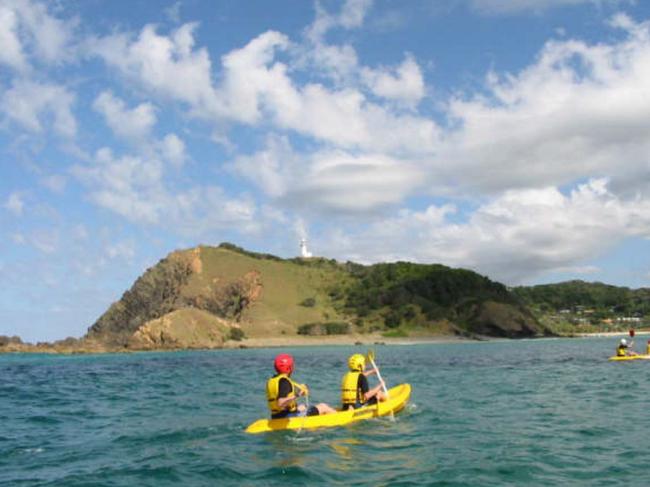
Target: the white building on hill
pixel 304 253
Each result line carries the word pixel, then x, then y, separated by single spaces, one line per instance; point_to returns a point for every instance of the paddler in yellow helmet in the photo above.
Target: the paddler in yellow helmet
pixel 282 392
pixel 355 391
pixel 623 349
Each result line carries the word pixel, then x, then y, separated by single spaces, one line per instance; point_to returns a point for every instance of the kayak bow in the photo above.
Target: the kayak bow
pixel 399 396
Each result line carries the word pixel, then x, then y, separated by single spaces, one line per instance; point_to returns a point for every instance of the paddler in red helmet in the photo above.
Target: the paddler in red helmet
pixel 282 392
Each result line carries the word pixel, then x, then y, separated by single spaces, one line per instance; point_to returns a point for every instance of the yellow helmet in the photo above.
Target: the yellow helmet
pixel 357 362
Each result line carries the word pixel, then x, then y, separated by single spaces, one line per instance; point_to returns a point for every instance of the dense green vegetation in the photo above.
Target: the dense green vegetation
pixel 411 295
pixel 327 328
pixel 584 306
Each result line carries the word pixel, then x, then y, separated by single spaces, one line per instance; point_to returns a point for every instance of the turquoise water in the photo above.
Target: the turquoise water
pixel 539 412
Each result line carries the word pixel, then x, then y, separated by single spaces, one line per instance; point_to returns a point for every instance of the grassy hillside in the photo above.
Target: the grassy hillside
pixel 241 293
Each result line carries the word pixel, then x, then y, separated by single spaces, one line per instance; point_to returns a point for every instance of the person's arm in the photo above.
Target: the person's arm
pixel 285 394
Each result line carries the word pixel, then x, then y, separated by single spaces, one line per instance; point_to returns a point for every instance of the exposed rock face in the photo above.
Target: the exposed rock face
pixel 154 294
pixel 13 340
pixel 146 315
pixel 184 328
pixel 229 299
pixel 499 319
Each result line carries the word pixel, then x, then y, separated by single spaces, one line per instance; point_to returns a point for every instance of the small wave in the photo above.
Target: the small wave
pixel 31 451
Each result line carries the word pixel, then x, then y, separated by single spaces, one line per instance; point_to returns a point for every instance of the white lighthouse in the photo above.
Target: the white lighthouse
pixel 304 253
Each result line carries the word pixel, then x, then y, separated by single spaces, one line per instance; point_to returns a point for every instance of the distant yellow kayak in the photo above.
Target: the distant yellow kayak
pixel 399 396
pixel 630 357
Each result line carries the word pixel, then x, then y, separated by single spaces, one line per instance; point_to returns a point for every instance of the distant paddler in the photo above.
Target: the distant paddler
pixel 624 349
pixel 282 392
pixel 355 392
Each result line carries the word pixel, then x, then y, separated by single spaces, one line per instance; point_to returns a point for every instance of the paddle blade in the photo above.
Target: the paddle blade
pixel 371 355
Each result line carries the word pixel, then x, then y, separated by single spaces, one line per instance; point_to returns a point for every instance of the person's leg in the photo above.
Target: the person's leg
pixel 325 408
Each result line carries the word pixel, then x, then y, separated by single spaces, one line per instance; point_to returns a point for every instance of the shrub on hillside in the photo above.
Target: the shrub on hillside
pixel 309 303
pixel 236 334
pixel 327 328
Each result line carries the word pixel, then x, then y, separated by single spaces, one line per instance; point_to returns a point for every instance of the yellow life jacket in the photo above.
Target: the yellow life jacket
pixel 350 392
pixel 621 351
pixel 273 390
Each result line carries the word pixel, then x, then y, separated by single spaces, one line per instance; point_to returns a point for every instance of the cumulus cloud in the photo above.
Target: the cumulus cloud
pixel 517 235
pixel 255 87
pixel 11 53
pixel 329 180
pixel 351 16
pixel 121 250
pixel 159 62
pixel 130 186
pixel 172 149
pixel 30 104
pixel 135 188
pixel 405 84
pixel 135 123
pixel 28 29
pixel 578 111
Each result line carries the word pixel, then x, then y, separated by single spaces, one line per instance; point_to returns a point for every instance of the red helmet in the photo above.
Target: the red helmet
pixel 284 363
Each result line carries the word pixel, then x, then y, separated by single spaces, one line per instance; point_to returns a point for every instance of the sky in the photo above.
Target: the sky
pixel 510 137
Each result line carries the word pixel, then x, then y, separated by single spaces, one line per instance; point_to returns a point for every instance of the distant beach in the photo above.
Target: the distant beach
pixel 349 340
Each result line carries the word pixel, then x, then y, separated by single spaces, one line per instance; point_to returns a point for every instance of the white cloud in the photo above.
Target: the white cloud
pixel 121 250
pixel 254 87
pixel 135 188
pixel 130 186
pixel 51 37
pixel 11 53
pixel 405 84
pixel 329 180
pixel 15 203
pixel 159 62
pixel 29 103
pixel 28 29
pixel 135 123
pixel 173 12
pixel 518 235
pixel 172 149
pixel 579 111
pixel 351 16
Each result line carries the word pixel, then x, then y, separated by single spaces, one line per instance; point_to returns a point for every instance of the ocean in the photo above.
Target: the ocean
pixel 533 412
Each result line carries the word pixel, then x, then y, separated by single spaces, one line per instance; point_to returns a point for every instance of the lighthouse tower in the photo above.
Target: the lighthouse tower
pixel 304 253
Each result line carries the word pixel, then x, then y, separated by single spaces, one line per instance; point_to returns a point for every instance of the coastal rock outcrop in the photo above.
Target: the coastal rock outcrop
pixel 185 328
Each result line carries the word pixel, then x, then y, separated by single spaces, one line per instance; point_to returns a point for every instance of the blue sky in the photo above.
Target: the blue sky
pixel 510 137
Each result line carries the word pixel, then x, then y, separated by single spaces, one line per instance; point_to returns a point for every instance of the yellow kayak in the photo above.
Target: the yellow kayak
pixel 630 357
pixel 399 396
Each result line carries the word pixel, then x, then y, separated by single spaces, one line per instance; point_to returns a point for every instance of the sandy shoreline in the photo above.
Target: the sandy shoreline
pixel 611 334
pixel 366 340
pixel 345 340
